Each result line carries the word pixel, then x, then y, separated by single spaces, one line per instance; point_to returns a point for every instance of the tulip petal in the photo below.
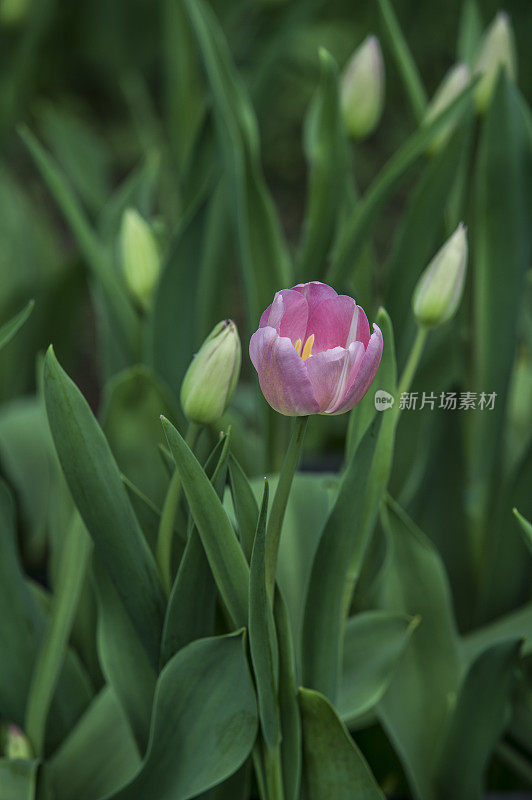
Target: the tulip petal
pixel 330 372
pixel 363 331
pixel 288 314
pixel 282 374
pixel 365 373
pixel 332 322
pixel 315 293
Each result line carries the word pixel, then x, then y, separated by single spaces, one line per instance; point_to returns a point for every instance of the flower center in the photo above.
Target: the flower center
pixel 307 349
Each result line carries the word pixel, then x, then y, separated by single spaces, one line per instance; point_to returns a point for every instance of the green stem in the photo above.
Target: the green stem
pixel 165 533
pixel 413 361
pixel 275 521
pixel 273 772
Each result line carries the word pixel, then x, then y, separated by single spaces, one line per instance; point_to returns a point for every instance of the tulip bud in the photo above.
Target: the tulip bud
pixel 211 378
pixel 497 51
pixel 17 745
pixel 453 83
pixel 439 289
pixel 362 89
pixel 140 257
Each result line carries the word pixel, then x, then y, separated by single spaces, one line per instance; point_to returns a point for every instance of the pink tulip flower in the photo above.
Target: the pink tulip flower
pixel 313 351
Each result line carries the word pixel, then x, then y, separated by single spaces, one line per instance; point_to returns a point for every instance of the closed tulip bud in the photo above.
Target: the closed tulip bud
pixel 497 51
pixel 453 83
pixel 362 89
pixel 17 745
pixel 439 289
pixel 211 378
pixel 140 257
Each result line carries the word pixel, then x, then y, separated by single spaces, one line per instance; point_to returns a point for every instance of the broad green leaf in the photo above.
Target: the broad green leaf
pixel 415 707
pixel 18 779
pixel 263 252
pixel 405 63
pixel 364 215
pixel 244 504
pixel 333 766
pixel 227 561
pixel 22 627
pixel 262 635
pixel 288 705
pixel 502 247
pixel 526 528
pixel 479 718
pixel 98 756
pixel 192 603
pixel 9 329
pixel 52 653
pixel 338 545
pixel 373 643
pixel 124 661
pixel 517 623
pixel 325 147
pixel 204 721
pixel 94 481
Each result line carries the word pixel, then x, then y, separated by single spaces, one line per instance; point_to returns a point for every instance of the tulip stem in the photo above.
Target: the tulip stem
pixel 273 772
pixel 165 535
pixel 280 500
pixel 413 360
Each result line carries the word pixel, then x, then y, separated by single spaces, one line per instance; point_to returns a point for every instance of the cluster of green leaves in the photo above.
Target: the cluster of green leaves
pixel 213 674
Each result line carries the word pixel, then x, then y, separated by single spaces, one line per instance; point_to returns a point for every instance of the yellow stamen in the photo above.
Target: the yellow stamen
pixel 297 345
pixel 307 350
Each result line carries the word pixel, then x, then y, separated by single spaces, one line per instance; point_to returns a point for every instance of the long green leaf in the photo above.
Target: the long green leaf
pixel 204 721
pixel 526 528
pixel 18 779
pixel 96 486
pixel 9 329
pixel 244 504
pixel 340 540
pixel 289 708
pixel 228 563
pixel 73 565
pixel 333 766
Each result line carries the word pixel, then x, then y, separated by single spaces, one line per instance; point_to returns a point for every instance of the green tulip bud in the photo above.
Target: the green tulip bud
pixel 439 289
pixel 453 83
pixel 497 51
pixel 362 89
pixel 211 378
pixel 17 745
pixel 140 257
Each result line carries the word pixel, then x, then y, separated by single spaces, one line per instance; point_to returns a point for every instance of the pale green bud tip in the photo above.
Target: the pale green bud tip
pixel 139 256
pixel 497 51
pixel 362 89
pixel 439 289
pixel 211 378
pixel 17 745
pixel 452 85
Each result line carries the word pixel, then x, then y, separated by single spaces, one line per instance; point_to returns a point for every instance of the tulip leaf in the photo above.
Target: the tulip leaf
pixel 414 709
pixel 225 556
pixel 405 63
pixel 136 191
pixel 123 660
pixel 333 766
pixel 83 767
pixel 204 721
pixel 18 779
pixel 478 720
pixel 526 528
pixel 192 602
pixel 373 644
pixel 9 329
pixel 96 486
pixel 22 627
pixel 288 704
pixel 359 223
pixel 340 540
pixel 517 623
pixel 502 246
pixel 263 252
pixel 244 504
pixel 74 559
pixel 325 146
pixel 262 635
pixel 469 33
